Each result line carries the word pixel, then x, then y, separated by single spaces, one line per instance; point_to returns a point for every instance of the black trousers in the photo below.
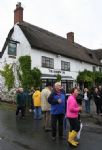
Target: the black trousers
pixel 22 108
pixel 74 124
pixel 57 120
pixel 98 106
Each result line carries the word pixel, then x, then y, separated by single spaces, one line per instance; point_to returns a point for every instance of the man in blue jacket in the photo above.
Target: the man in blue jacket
pixel 57 101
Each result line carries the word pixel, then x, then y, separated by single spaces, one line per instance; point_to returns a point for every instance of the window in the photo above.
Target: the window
pixel 65 66
pixel 12 48
pixel 94 68
pixel 47 62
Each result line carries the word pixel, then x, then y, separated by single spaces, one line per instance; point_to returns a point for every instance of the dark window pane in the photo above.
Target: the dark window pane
pixel 12 49
pixel 47 62
pixel 65 66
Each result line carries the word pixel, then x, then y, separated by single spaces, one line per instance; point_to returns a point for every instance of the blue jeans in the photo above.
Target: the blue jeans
pixel 37 112
pixel 87 106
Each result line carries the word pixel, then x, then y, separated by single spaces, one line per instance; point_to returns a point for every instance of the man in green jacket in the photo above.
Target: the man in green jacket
pixel 21 102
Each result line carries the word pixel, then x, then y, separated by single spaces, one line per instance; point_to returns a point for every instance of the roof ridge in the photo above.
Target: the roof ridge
pixel 41 29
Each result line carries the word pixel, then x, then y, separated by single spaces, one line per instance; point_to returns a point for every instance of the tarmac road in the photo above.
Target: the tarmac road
pixel 28 134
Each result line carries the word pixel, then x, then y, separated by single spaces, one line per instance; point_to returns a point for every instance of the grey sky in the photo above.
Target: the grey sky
pixel 83 17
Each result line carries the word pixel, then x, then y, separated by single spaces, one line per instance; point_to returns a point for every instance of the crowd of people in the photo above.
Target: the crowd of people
pixel 57 109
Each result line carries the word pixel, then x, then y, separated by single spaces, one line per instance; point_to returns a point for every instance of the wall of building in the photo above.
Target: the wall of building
pixel 24 48
pixel 75 65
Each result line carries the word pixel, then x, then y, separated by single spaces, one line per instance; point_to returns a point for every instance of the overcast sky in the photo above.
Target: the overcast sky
pixel 83 17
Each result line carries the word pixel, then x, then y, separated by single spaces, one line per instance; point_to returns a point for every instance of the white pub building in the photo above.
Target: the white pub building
pixel 49 52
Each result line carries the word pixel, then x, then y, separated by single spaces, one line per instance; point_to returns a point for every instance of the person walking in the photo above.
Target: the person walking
pixel 72 114
pixel 37 104
pixel 57 101
pixel 46 107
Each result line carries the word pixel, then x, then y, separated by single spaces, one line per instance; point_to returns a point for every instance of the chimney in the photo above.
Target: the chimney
pixel 18 13
pixel 70 37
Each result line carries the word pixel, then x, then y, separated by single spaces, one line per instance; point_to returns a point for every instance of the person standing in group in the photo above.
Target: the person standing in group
pixel 31 105
pixel 100 93
pixel 46 107
pixel 80 95
pixel 79 99
pixel 37 104
pixel 72 114
pixel 57 101
pixel 97 100
pixel 87 97
pixel 21 102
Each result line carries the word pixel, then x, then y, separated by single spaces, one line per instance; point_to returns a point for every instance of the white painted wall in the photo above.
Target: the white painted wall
pixel 75 65
pixel 24 48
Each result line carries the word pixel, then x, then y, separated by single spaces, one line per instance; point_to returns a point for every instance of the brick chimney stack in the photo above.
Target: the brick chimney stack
pixel 70 37
pixel 18 13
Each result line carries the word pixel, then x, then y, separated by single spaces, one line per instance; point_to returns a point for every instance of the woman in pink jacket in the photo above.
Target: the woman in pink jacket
pixel 72 114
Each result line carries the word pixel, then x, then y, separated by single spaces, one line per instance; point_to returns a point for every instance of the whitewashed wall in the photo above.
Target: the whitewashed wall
pixel 24 48
pixel 75 65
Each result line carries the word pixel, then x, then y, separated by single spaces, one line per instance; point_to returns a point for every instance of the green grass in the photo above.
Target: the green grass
pixel 7 106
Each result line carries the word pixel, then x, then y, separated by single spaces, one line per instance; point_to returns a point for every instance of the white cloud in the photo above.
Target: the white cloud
pixel 83 17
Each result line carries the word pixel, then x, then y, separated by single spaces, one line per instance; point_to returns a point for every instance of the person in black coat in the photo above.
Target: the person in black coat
pixel 100 93
pixel 21 102
pixel 97 100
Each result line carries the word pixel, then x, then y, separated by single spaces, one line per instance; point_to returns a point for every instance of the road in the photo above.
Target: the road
pixel 28 134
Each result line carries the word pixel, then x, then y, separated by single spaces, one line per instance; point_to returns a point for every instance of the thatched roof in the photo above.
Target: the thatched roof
pixel 50 42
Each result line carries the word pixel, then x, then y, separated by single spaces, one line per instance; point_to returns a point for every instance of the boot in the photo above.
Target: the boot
pixel 74 139
pixel 71 138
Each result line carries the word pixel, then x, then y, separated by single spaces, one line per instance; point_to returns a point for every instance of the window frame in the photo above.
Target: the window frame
pixel 65 66
pixel 47 62
pixel 12 45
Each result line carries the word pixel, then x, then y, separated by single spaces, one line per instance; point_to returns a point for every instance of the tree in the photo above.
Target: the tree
pixel 58 78
pixel 25 71
pixel 27 76
pixel 86 78
pixel 36 77
pixel 8 75
pixel 98 78
pixel 90 78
